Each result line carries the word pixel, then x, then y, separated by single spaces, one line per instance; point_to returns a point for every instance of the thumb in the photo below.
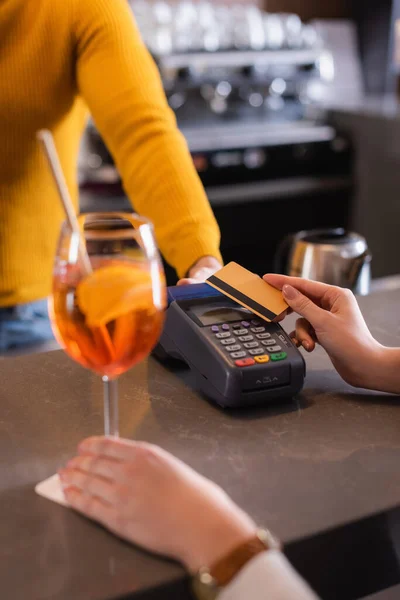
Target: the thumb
pixel 302 305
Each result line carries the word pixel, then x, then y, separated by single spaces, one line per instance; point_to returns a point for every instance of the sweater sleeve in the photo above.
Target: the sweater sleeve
pixel 268 576
pixel 120 83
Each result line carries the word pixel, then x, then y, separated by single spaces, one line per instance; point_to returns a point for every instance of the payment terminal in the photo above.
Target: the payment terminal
pixel 237 359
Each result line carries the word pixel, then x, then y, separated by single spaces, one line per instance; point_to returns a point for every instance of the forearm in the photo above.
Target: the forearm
pixel 383 373
pixel 166 188
pixel 123 89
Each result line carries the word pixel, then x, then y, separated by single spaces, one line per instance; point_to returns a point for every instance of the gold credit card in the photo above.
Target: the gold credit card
pixel 249 290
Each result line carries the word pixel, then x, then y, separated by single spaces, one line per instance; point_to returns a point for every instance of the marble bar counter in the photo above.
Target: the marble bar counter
pixel 321 470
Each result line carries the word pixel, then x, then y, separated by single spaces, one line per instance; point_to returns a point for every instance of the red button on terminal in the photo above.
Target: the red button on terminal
pixel 245 362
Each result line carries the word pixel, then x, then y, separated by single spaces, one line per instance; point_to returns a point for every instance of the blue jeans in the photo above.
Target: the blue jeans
pixel 24 324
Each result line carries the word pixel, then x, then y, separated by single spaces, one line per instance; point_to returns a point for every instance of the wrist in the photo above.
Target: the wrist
pixel 205 262
pixel 209 581
pixel 383 373
pixel 217 540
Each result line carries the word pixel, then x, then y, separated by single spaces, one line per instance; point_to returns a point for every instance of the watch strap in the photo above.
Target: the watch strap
pixel 208 581
pixel 225 569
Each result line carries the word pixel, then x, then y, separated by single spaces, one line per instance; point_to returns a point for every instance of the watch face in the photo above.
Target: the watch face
pixel 203 590
pixel 270 541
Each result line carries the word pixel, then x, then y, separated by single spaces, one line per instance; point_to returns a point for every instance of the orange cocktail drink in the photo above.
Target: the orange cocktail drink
pixel 107 310
pixel 107 321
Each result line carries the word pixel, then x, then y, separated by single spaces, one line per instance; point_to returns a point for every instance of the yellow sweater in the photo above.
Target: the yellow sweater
pixel 58 57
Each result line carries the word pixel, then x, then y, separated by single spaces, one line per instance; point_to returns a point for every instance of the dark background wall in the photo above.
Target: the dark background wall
pixel 376 201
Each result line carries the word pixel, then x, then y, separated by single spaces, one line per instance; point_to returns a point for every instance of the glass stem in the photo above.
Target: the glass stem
pixel 111 420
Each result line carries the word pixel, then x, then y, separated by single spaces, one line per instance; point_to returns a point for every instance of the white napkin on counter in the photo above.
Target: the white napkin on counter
pixel 52 490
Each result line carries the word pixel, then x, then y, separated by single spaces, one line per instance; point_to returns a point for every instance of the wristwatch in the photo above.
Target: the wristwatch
pixel 208 582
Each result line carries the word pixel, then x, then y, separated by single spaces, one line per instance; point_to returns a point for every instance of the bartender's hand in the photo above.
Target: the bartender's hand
pixel 150 498
pixel 332 317
pixel 201 270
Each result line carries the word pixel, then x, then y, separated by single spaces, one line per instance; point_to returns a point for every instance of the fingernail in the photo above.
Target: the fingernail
pixel 306 345
pixel 289 292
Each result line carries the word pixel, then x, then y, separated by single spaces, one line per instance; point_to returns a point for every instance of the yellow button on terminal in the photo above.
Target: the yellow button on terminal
pixel 262 359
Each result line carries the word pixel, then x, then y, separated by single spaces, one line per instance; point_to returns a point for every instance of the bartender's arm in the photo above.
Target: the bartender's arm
pixel 122 87
pixel 148 497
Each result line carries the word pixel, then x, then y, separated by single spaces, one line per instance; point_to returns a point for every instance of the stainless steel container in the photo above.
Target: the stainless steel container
pixel 333 256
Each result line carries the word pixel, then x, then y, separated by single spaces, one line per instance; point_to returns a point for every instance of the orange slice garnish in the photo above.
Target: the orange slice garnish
pixel 113 291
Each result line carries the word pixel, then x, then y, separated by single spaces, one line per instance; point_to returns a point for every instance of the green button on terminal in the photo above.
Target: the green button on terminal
pixel 278 356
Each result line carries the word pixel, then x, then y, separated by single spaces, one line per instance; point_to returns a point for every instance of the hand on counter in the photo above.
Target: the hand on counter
pixel 150 498
pixel 201 270
pixel 331 316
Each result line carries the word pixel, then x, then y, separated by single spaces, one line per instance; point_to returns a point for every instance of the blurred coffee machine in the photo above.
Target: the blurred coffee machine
pixel 249 90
